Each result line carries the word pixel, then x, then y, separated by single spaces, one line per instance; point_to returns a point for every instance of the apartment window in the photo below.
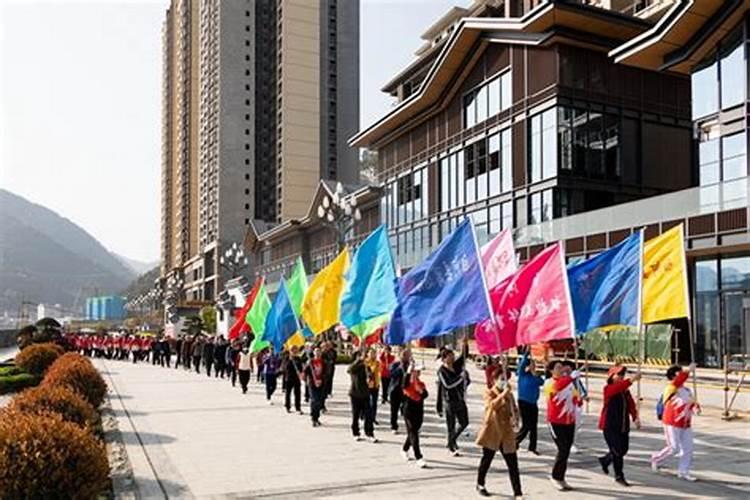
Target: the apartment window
pixel 247 72
pixel 247 161
pixel 247 177
pixel 247 102
pixel 247 147
pixel 247 28
pixel 734 156
pixel 247 43
pixel 247 131
pixel 247 117
pixel 247 87
pixel 247 13
pixel 708 162
pixel 733 69
pixel 506 210
pixel 543 146
pixel 487 100
pixel 247 206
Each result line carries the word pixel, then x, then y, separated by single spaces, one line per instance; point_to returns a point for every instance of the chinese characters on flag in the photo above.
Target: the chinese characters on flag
pixel 532 305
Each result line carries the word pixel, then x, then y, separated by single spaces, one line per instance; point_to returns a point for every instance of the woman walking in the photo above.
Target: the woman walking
pixel 498 434
pixel 528 395
pixel 414 393
pixel 617 406
pixel 562 399
pixel 243 368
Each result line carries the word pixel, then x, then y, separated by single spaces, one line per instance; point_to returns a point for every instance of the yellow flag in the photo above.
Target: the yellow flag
pixel 295 340
pixel 321 307
pixel 665 287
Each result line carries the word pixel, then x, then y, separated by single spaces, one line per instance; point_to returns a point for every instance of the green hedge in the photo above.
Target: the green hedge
pixel 10 370
pixel 17 382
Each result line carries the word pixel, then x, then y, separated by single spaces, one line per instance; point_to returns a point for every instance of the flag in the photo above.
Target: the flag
pixel 297 286
pixel 532 305
pixel 281 322
pixel 498 258
pixel 297 340
pixel 370 326
pixel 444 292
pixel 665 287
pixel 606 289
pixel 256 318
pixel 370 281
pixel 240 326
pixel 321 306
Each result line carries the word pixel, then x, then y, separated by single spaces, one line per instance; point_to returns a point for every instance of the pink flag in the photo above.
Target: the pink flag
pixel 498 258
pixel 532 305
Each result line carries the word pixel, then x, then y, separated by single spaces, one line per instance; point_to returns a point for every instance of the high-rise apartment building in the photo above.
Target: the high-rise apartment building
pixel 260 97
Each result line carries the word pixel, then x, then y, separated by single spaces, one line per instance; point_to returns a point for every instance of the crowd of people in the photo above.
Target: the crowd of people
pixel 377 376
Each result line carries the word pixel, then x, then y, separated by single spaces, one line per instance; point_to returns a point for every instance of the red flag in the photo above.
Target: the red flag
pixel 239 327
pixel 532 305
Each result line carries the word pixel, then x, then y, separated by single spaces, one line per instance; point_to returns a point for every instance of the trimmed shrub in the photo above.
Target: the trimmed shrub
pixel 18 382
pixel 10 370
pixel 77 373
pixel 56 399
pixel 42 456
pixel 36 358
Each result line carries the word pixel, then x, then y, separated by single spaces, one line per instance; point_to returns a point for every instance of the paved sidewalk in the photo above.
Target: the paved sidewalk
pixel 190 436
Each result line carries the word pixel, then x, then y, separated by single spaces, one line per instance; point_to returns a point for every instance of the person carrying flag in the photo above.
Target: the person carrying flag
pixel 398 372
pixel 528 396
pixel 453 380
pixel 359 395
pixel 386 360
pixel 414 393
pixel 271 365
pixel 617 406
pixel 291 370
pixel 562 400
pixel 315 373
pixel 244 360
pixel 373 382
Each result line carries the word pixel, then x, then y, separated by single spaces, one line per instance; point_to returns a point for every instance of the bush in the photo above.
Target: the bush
pixel 77 373
pixel 17 382
pixel 10 370
pixel 56 399
pixel 36 358
pixel 42 456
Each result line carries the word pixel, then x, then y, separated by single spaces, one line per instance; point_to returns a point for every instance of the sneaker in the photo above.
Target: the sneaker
pixel 405 455
pixel 270 403
pixel 421 463
pixel 560 485
pixel 288 410
pixel 376 422
pixel 687 477
pixel 605 465
pixel 300 412
pixel 394 431
pixel 574 449
pixel 621 481
pixel 357 439
pixel 456 453
pixel 482 491
pixel 534 452
pixel 654 466
pixel 372 439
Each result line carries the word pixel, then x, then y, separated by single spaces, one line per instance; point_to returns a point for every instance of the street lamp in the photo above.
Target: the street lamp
pixel 339 213
pixel 234 260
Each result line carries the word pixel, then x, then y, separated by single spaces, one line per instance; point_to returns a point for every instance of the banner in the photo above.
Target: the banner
pixel 499 258
pixel 665 286
pixel 321 307
pixel 281 321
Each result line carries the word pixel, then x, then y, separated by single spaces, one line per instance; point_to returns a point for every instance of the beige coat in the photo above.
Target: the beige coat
pixel 498 431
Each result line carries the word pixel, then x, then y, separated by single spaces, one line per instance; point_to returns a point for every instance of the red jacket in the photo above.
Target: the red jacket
pixel 386 360
pixel 678 403
pixel 562 400
pixel 612 390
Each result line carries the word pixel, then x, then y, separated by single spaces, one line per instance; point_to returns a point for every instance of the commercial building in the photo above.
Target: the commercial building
pixel 259 98
pixel 105 308
pixel 581 122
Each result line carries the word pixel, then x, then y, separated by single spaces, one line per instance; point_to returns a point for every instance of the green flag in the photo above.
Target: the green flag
pixel 370 326
pixel 256 318
pixel 297 286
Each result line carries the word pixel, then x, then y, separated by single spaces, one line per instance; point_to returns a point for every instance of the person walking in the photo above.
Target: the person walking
pixel 135 349
pixel 562 399
pixel 187 352
pixel 315 372
pixel 386 360
pixel 453 381
pixel 178 351
pixel 220 357
pixel 233 352
pixel 414 393
pixel 292 372
pixel 271 365
pixel 373 382
pixel 329 355
pixel 243 368
pixel 208 354
pixel 528 396
pixel 617 406
pixel 259 360
pixel 498 433
pixel 398 372
pixel 584 396
pixel 359 395
pixel 679 405
pixel 197 352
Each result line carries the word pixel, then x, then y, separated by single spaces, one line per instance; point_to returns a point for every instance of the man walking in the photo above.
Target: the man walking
pixel 359 395
pixel 562 399
pixel 220 357
pixel 315 380
pixel 292 372
pixel 528 395
pixel 453 381
pixel 208 354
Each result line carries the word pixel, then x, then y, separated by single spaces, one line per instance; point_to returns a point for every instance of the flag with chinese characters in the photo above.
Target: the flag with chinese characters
pixel 606 289
pixel 321 307
pixel 499 258
pixel 240 326
pixel 532 305
pixel 665 287
pixel 444 292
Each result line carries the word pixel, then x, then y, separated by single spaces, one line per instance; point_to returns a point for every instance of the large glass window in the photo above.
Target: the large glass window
pixel 487 100
pixel 589 142
pixel 708 160
pixel 507 215
pixel 540 206
pixel 734 156
pixel 733 69
pixel 735 273
pixel 705 87
pixel 543 146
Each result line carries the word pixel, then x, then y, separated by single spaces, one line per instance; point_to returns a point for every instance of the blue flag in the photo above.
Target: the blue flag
pixel 370 281
pixel 281 322
pixel 445 292
pixel 606 289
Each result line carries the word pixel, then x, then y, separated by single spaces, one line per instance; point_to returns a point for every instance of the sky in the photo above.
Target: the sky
pixel 80 104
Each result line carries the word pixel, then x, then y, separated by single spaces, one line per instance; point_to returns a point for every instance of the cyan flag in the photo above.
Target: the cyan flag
pixel 281 322
pixel 606 289
pixel 370 281
pixel 444 292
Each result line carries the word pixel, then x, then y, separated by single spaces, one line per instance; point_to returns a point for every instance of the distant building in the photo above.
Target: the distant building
pixel 49 311
pixel 105 308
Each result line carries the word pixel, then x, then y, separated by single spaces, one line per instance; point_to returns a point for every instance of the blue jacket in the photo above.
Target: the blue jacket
pixel 528 383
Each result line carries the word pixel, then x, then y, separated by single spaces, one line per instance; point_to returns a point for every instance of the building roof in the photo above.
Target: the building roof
pixel 467 41
pixel 683 36
pixel 454 14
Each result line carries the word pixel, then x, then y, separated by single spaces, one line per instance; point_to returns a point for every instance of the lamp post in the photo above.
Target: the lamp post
pixel 172 296
pixel 234 260
pixel 339 214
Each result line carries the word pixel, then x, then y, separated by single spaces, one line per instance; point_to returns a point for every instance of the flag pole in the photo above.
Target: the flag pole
pixel 486 292
pixel 586 368
pixel 640 321
pixel 640 363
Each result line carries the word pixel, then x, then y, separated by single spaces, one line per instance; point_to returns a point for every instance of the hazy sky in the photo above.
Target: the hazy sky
pixel 80 90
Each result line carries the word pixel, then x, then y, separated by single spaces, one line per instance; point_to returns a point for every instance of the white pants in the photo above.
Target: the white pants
pixel 579 423
pixel 679 444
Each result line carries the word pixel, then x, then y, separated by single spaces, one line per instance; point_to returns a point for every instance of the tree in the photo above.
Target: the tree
pixel 368 166
pixel 193 326
pixel 208 316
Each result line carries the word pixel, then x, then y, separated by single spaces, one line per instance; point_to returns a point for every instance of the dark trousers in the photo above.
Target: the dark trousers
pixel 455 412
pixel 167 358
pixel 209 364
pixel 260 374
pixel 221 369
pixel 316 402
pixel 307 393
pixel 244 379
pixel 618 443
pixel 329 382
pixel 296 387
pixel 529 419
pixel 232 375
pixel 396 399
pixel 384 383
pixel 563 437
pixel 154 357
pixel 178 359
pixel 373 404
pixel 361 408
pixel 413 418
pixel 270 386
pixel 197 364
pixel 511 461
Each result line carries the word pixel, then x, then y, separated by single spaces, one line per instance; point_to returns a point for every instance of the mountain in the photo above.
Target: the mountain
pixel 137 266
pixel 142 284
pixel 46 258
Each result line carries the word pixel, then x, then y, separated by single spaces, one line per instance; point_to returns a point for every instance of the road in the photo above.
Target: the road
pixel 190 436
